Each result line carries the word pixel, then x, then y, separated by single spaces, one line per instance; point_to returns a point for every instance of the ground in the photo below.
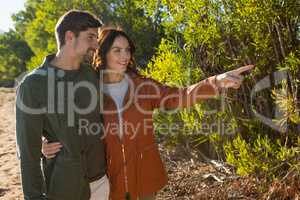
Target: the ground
pixel 10 187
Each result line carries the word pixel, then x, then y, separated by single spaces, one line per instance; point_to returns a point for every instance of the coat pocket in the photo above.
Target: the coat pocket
pixel 65 182
pixel 151 170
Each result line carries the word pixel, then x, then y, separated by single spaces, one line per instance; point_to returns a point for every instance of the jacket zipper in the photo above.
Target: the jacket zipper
pixel 125 169
pixel 123 155
pixel 127 194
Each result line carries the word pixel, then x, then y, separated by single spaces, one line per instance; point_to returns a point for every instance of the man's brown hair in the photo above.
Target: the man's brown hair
pixel 75 21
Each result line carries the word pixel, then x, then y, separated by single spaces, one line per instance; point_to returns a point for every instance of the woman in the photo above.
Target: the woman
pixel 134 166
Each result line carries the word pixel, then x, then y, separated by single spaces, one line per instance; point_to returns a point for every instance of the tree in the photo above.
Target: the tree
pixel 38 20
pixel 14 53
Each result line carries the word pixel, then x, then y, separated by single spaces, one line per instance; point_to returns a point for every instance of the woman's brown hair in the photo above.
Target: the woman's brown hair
pixel 106 39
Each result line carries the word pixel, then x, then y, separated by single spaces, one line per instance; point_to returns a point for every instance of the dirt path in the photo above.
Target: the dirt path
pixel 10 187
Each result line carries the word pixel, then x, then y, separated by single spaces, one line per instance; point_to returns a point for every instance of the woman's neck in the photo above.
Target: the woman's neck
pixel 113 77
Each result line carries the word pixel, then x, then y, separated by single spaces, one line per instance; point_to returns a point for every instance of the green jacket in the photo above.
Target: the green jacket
pixel 64 106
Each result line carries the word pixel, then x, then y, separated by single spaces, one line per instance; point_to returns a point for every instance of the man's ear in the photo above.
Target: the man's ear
pixel 69 36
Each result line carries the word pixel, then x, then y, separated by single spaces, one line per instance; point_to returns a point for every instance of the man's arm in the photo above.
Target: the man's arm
pixel 29 127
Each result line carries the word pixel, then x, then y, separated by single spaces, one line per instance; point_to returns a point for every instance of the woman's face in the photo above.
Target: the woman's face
pixel 119 55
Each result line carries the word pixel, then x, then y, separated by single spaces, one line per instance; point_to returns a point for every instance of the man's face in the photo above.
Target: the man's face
pixel 86 43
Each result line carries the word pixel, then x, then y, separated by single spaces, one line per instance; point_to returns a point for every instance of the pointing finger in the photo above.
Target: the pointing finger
pixel 234 77
pixel 243 69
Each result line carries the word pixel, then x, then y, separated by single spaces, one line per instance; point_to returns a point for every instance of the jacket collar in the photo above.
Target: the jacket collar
pixel 47 60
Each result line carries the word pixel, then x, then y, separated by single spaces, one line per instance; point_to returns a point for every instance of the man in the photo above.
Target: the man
pixel 60 101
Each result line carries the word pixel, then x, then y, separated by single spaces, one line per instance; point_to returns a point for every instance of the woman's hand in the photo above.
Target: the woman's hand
pixel 49 150
pixel 233 78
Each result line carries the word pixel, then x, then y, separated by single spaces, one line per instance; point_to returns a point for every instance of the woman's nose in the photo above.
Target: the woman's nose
pixel 125 55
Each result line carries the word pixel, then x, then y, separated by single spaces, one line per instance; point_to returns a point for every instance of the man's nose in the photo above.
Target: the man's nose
pixel 96 45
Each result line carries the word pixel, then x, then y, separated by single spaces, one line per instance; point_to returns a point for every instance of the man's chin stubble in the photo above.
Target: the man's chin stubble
pixel 88 57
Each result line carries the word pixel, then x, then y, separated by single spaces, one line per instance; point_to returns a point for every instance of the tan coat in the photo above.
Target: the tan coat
pixel 134 164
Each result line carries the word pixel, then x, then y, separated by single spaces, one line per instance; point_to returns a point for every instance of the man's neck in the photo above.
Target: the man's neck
pixel 66 61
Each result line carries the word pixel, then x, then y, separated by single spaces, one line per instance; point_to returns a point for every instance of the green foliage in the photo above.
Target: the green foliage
pixel 238 153
pixel 262 156
pixel 287 105
pixel 171 65
pixel 38 20
pixel 291 64
pixel 220 35
pixel 14 52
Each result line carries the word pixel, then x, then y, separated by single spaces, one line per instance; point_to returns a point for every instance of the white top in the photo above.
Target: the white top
pixel 117 92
